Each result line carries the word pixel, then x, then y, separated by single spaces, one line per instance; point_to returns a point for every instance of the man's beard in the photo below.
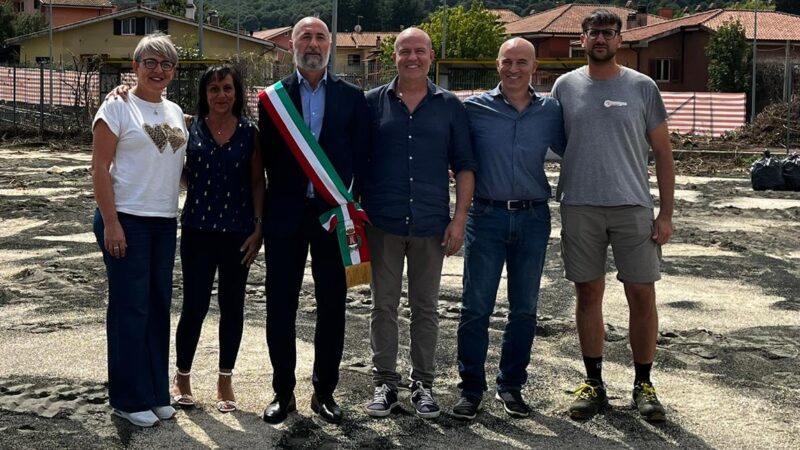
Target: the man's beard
pixel 609 55
pixel 312 62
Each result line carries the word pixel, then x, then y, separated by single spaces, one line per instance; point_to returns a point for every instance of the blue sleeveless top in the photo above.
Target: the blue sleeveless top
pixel 219 195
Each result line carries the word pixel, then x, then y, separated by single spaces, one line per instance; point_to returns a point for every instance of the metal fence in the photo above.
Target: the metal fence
pixel 65 99
pixel 44 99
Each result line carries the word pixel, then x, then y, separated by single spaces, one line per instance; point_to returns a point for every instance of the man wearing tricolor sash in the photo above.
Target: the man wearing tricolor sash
pixel 419 131
pixel 314 141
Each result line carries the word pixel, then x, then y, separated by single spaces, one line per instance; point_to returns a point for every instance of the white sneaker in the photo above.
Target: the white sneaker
pixel 140 419
pixel 164 412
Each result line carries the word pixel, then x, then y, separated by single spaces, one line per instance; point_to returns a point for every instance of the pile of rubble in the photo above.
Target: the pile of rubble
pixel 769 127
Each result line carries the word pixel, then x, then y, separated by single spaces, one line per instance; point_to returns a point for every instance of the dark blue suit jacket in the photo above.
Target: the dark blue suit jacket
pixel 344 138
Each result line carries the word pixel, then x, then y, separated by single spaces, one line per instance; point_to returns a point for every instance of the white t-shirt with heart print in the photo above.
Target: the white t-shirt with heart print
pixel 149 158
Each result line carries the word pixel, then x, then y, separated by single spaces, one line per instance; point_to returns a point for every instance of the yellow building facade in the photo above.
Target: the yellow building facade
pixel 114 37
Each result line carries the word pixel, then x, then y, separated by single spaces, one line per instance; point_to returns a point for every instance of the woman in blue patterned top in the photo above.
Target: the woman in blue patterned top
pixel 221 225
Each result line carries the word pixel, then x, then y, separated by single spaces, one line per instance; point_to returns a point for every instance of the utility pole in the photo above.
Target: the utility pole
pixel 444 29
pixel 200 20
pixel 50 54
pixel 334 20
pixel 755 56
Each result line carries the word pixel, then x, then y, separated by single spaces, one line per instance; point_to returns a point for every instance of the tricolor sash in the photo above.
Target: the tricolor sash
pixel 346 218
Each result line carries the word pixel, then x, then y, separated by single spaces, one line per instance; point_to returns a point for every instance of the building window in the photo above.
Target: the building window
pixel 577 52
pixel 128 26
pixel 150 25
pixel 663 69
pixel 353 60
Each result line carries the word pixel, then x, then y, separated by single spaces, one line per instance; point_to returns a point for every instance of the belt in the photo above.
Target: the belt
pixel 510 205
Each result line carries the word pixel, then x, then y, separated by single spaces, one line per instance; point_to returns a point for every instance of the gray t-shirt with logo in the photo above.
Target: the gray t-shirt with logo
pixel 607 124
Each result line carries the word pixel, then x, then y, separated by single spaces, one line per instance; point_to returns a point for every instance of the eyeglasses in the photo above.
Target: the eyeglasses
pixel 151 64
pixel 608 33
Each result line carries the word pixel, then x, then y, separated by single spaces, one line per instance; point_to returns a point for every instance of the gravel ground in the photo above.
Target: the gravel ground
pixel 726 368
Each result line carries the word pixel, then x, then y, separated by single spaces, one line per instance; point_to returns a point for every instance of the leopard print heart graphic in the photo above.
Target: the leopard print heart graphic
pixel 158 135
pixel 162 134
pixel 175 137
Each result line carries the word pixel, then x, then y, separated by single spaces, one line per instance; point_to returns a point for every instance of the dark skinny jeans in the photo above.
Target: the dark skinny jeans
pixel 202 254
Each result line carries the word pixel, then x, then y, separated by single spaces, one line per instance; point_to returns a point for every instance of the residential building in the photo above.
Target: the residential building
pixel 114 36
pixel 23 6
pixel 673 53
pixel 357 50
pixel 556 32
pixel 66 12
pixel 279 36
pixel 505 16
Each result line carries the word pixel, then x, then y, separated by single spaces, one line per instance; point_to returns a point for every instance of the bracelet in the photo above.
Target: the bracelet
pixel 257 220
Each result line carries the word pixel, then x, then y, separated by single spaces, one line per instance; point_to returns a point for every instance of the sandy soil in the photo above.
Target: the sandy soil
pixel 727 366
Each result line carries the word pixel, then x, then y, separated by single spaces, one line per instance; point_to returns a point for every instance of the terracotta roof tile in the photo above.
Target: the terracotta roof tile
pixel 772 26
pixel 567 19
pixel 343 38
pixel 646 32
pixel 362 39
pixel 505 15
pixel 271 32
pixel 95 3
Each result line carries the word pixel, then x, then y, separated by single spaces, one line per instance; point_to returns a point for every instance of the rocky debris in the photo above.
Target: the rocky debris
pixel 41 327
pixel 357 365
pixel 614 334
pixel 73 401
pixel 769 127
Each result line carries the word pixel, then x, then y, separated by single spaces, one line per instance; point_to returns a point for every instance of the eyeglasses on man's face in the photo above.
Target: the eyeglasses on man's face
pixel 608 33
pixel 151 64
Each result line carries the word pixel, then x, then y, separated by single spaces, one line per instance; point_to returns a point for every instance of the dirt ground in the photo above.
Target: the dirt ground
pixel 726 369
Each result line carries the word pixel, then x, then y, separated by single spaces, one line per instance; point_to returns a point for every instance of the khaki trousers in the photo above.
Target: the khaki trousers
pixel 425 256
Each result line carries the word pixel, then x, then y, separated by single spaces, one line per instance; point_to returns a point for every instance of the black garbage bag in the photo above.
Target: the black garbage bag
pixel 767 173
pixel 791 172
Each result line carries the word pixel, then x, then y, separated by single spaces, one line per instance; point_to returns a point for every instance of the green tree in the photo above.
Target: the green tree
pixel 761 5
pixel 359 12
pixel 14 24
pixel 730 57
pixel 789 6
pixel 28 23
pixel 174 7
pixel 399 14
pixel 471 33
pixel 6 23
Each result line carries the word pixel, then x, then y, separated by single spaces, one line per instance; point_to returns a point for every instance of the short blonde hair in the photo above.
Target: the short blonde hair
pixel 156 43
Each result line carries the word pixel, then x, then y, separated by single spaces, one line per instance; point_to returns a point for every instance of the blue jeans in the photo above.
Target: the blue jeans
pixel 495 237
pixel 137 320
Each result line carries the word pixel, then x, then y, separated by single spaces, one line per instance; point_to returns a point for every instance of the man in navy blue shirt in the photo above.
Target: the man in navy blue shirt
pixel 419 131
pixel 509 224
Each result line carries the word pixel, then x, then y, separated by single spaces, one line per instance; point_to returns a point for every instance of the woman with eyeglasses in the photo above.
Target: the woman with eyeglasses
pixel 220 226
pixel 137 159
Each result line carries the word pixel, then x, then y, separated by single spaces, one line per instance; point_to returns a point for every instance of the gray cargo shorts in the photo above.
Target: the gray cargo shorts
pixel 586 232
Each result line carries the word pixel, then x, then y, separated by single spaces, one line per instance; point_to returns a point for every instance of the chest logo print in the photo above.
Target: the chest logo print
pixel 162 134
pixel 612 103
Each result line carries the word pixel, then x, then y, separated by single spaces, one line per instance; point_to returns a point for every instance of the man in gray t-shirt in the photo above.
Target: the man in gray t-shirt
pixel 613 116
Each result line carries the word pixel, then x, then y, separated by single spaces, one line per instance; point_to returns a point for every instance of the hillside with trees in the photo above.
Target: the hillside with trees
pixel 393 15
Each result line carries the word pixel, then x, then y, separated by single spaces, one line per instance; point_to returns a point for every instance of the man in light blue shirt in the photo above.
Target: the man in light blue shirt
pixel 312 100
pixel 509 223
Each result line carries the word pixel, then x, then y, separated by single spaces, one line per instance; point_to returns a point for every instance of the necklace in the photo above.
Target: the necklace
pixel 155 105
pixel 221 128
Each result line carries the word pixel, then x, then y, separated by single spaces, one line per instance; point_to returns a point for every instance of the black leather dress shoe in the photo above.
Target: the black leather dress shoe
pixel 278 409
pixel 327 409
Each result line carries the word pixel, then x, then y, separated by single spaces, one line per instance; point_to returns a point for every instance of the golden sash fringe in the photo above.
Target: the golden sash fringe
pixel 358 274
